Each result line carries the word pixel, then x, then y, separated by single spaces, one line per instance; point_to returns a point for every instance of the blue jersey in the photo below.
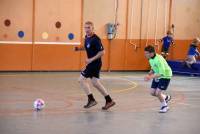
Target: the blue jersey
pixel 93 45
pixel 193 50
pixel 167 41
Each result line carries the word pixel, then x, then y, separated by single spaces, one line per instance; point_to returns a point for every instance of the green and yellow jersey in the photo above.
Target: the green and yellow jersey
pixel 160 66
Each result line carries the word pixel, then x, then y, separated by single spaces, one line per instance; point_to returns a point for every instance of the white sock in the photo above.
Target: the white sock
pixel 163 103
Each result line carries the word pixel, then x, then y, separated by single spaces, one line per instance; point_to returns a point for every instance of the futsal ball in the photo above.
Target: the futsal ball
pixel 38 104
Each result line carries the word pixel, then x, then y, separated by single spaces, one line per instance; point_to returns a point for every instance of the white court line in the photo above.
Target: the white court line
pixel 190 105
pixel 28 42
pixel 15 42
pixel 59 43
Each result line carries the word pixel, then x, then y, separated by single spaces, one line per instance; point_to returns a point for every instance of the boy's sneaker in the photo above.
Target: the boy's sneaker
pixel 90 104
pixel 108 105
pixel 168 98
pixel 163 109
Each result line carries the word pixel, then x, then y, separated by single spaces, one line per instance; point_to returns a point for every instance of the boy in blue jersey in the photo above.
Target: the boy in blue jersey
pixel 192 52
pixel 167 41
pixel 95 51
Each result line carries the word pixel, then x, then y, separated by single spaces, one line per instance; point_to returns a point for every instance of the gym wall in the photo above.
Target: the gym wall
pixel 40 35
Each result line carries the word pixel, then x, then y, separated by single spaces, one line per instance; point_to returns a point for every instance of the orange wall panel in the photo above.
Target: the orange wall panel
pixel 55 57
pixel 120 55
pixel 135 59
pixel 15 57
pixel 105 57
pixel 117 54
pixel 179 50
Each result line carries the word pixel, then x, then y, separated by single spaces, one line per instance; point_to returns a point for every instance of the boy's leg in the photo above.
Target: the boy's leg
pixel 164 107
pixel 165 52
pixel 164 55
pixel 154 86
pixel 97 84
pixel 190 60
pixel 160 95
pixel 163 85
pixel 153 93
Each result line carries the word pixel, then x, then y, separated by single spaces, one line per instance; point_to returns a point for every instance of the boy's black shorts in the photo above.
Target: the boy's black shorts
pixel 164 50
pixel 162 83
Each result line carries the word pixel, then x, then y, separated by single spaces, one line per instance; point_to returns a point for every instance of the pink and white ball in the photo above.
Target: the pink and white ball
pixel 38 104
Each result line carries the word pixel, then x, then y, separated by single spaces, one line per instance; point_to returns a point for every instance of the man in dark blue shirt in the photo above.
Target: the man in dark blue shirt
pixel 95 51
pixel 167 41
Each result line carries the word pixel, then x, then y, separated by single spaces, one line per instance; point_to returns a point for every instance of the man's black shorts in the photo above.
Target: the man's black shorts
pixel 92 71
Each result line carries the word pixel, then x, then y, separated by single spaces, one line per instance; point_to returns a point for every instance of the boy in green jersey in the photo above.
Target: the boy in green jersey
pixel 161 74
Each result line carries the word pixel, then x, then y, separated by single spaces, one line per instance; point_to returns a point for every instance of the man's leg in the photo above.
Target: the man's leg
pixel 97 84
pixel 85 86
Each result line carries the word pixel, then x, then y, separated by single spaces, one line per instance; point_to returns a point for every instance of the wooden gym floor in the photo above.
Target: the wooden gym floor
pixel 136 112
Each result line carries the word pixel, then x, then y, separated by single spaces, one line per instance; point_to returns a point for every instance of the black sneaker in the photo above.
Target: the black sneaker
pixel 90 104
pixel 168 98
pixel 108 105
